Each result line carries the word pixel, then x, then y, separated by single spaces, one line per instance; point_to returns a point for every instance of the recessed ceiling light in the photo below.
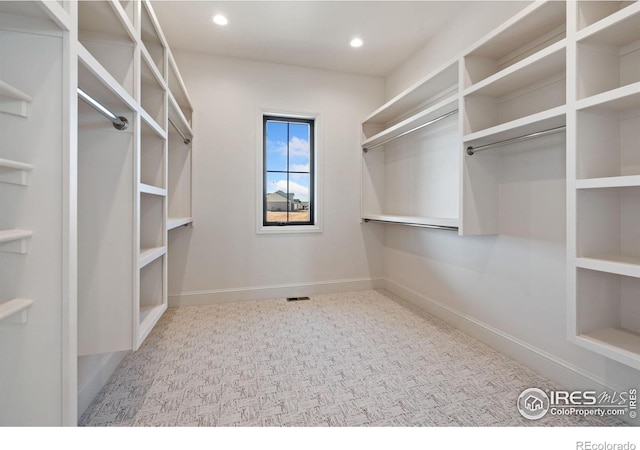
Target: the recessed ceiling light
pixel 219 19
pixel 356 42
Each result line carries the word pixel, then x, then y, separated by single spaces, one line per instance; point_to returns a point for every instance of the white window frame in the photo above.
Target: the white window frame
pixel 317 188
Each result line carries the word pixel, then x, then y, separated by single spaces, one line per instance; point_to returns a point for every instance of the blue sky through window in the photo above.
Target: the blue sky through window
pixel 288 150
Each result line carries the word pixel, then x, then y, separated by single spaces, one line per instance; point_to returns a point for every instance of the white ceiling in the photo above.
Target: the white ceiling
pixel 307 33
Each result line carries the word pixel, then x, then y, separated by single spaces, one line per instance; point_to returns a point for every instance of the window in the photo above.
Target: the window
pixel 288 171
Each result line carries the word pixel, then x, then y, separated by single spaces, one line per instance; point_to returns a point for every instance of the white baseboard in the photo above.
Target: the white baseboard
pixel 219 296
pixel 97 379
pixel 548 365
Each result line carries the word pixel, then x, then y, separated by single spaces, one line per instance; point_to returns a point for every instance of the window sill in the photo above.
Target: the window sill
pixel 289 229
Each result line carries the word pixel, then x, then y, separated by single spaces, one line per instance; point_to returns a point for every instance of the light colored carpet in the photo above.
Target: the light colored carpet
pixel 351 359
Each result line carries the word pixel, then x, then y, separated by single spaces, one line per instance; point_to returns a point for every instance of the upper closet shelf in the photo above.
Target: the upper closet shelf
pixel 96 81
pixel 536 25
pixel 105 18
pixel 441 82
pixel 157 129
pixel 36 16
pixel 13 100
pixel 15 311
pixel 618 29
pixel 153 39
pixel 535 123
pixel 540 66
pixel 178 120
pixel 433 114
pixel 178 90
pixel 14 172
pixel 153 70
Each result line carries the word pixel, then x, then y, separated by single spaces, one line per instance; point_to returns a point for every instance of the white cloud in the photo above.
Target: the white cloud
pixel 297 147
pixel 299 167
pixel 299 191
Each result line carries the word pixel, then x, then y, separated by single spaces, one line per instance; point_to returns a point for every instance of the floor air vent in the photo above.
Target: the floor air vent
pixel 297 299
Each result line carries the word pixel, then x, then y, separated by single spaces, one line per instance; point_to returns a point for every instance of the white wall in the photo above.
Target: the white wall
pixel 509 290
pixel 221 257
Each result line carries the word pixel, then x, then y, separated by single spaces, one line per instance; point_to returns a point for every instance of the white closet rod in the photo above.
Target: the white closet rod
pixel 431 122
pixel 185 139
pixel 411 224
pixel 471 150
pixel 119 122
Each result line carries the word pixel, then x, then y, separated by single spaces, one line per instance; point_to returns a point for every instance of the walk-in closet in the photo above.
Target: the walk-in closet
pixel 319 213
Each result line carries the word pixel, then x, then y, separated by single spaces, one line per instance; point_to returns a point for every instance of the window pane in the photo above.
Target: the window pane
pixel 299 208
pixel 276 197
pixel 299 151
pixel 276 148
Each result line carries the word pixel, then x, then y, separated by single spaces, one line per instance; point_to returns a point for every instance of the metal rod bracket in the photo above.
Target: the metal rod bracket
pixel 123 125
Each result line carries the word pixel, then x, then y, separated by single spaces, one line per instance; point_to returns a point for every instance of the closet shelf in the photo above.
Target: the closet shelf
pixel 94 79
pixel 38 16
pixel 157 129
pixel 177 89
pixel 535 123
pixel 127 21
pixel 430 87
pixel 436 222
pixel 608 182
pixel 615 343
pixel 15 311
pixel 542 65
pixel 178 118
pixel 177 222
pixel 434 112
pixel 153 190
pixel 620 265
pixel 105 18
pixel 150 29
pixel 157 76
pixel 527 26
pixel 13 101
pixel 148 255
pixel 14 172
pixel 14 241
pixel 620 28
pixel 619 99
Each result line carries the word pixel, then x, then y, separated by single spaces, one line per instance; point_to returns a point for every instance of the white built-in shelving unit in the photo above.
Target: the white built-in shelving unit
pixel 410 155
pixel 126 176
pixel 604 182
pixel 507 88
pixel 558 78
pixel 514 89
pixel 83 233
pixel 180 114
pixel 36 129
